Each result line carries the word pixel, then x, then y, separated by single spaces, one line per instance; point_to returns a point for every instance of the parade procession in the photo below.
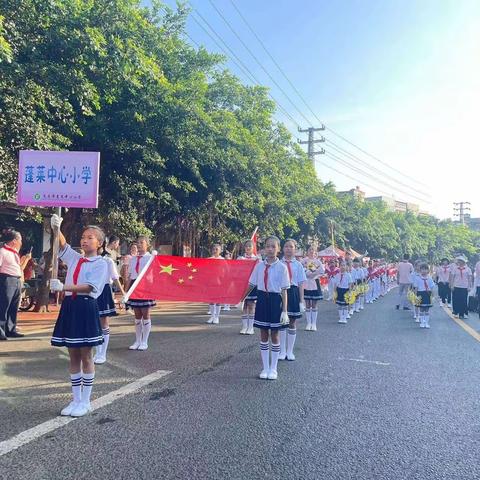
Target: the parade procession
pixel 202 278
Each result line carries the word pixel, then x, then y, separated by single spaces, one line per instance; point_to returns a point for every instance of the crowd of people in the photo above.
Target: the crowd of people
pixel 285 287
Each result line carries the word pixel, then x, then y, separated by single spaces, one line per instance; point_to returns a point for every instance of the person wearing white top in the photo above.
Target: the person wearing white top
pixel 342 281
pixel 248 312
pixel 461 280
pixel 404 272
pixel 295 296
pixel 141 307
pixel 477 284
pixel 442 277
pixel 215 308
pixel 271 279
pixel 106 306
pixel 314 270
pixel 78 323
pixel 423 285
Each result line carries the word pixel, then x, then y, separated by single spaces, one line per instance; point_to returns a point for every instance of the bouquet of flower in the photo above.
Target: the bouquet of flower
pixel 311 267
pixel 350 297
pixel 413 298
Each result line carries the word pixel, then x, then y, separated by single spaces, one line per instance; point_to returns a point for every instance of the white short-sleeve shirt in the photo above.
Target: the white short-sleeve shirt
pixel 277 277
pixel 298 272
pixel 93 272
pixel 343 280
pixel 142 262
pixel 423 284
pixel 112 270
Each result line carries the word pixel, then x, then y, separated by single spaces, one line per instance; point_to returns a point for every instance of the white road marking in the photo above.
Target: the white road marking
pixel 33 433
pixel 361 360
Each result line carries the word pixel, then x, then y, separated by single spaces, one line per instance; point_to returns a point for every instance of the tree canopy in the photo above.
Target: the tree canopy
pixel 188 152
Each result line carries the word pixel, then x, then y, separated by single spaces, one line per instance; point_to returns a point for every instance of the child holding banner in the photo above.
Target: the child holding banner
pixel 248 313
pixel 141 308
pixel 215 308
pixel 271 279
pixel 78 324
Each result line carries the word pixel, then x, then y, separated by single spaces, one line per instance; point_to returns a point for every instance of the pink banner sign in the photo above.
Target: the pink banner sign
pixel 58 179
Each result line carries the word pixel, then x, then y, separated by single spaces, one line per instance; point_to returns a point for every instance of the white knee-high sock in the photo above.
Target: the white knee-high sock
pixel 308 315
pixel 275 354
pixel 251 319
pixel 146 328
pixel 76 380
pixel 216 310
pixel 291 337
pixel 106 339
pixel 244 322
pixel 340 313
pixel 138 330
pixel 265 352
pixel 314 317
pixel 87 385
pixel 283 342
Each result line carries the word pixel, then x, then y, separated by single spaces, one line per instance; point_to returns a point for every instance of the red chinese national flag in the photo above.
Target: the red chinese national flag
pixel 193 279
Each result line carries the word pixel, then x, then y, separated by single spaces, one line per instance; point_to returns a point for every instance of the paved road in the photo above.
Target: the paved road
pixel 376 399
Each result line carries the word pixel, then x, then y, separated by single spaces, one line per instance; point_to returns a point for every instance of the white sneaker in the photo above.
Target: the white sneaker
pixel 210 320
pixel 81 409
pixel 291 357
pixel 272 375
pixel 343 320
pixel 216 320
pixel 313 328
pixel 99 359
pixel 348 317
pixel 143 346
pixel 308 327
pixel 250 331
pixel 417 320
pixel 427 325
pixel 243 331
pixel 226 308
pixel 67 411
pixel 134 346
pixel 263 375
pixel 282 356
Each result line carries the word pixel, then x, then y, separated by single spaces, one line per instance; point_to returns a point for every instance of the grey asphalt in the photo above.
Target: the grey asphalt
pixel 378 398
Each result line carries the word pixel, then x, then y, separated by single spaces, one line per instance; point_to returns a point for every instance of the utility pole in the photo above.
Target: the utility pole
pixel 462 211
pixel 311 141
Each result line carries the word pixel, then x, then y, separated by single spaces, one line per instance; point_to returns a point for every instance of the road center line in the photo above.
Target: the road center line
pixel 471 331
pixel 361 360
pixel 38 431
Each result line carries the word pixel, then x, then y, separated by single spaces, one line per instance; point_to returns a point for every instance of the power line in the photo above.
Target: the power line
pixel 386 175
pixel 237 60
pixel 258 61
pixel 361 172
pixel 308 106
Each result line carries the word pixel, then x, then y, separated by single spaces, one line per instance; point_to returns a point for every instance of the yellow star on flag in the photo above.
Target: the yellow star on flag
pixel 167 269
pixel 181 280
pixel 189 265
pixel 190 277
pixel 194 270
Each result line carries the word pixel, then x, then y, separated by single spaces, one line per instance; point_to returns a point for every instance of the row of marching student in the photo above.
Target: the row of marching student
pixel 281 292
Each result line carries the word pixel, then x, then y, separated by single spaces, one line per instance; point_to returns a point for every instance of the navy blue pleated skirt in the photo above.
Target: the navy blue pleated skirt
pixel 268 311
pixel 426 299
pixel 135 303
pixel 293 305
pixel 78 323
pixel 313 294
pixel 341 296
pixel 106 304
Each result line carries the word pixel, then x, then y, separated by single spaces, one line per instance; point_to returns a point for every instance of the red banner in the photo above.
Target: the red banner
pixel 194 280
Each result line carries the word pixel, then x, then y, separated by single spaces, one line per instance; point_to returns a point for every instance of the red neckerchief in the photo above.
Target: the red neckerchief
pixel 265 276
pixel 17 256
pixel 137 266
pixel 461 271
pixel 289 267
pixel 76 272
pixel 425 283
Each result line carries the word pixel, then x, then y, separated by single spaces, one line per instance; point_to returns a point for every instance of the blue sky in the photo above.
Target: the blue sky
pixel 399 78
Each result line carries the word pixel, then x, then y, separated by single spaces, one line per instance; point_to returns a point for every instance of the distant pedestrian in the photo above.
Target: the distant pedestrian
pixel 404 273
pixel 442 277
pixel 461 280
pixel 423 286
pixel 248 313
pixel 112 248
